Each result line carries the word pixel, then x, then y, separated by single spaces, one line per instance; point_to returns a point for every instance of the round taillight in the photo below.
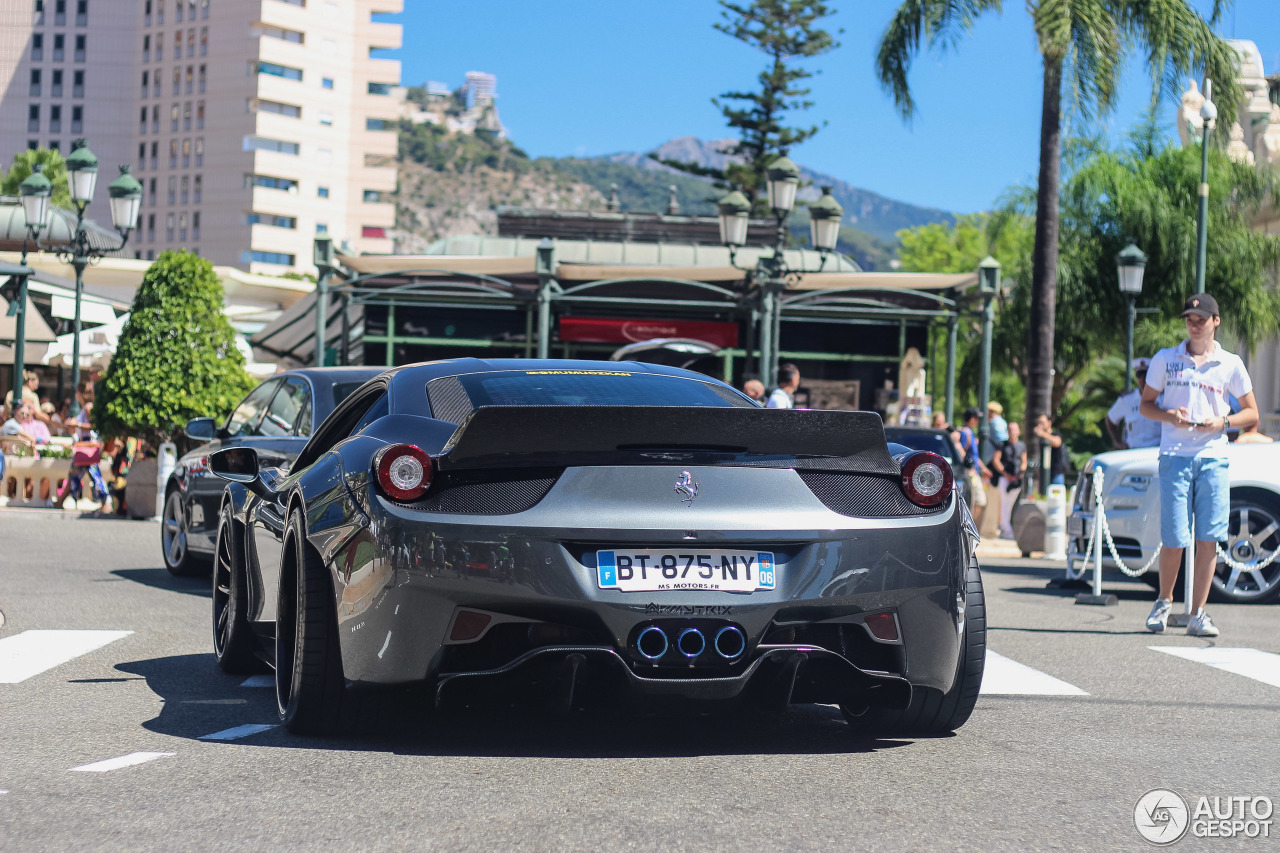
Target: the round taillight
pixel 926 479
pixel 403 471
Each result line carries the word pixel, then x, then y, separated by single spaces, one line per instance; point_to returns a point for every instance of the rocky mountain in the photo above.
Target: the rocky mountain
pixel 452 184
pixel 864 210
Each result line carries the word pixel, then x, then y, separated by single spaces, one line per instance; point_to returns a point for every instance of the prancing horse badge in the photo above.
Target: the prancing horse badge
pixel 687 486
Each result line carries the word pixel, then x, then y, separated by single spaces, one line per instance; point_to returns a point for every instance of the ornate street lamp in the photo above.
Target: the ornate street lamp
pixel 323 257
pixel 989 288
pixel 1208 115
pixel 782 178
pixel 824 222
pixel 36 190
pixel 769 275
pixel 1131 264
pixel 735 216
pixel 82 175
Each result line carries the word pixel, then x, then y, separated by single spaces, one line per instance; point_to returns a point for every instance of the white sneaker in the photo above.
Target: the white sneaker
pixel 1200 625
pixel 1159 617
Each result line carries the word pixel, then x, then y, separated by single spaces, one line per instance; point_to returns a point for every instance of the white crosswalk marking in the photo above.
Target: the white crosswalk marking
pixel 239 731
pixel 1251 663
pixel 1004 677
pixel 123 761
pixel 32 652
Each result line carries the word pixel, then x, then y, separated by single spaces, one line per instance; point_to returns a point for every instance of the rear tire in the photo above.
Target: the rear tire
pixel 233 641
pixel 310 686
pixel 933 712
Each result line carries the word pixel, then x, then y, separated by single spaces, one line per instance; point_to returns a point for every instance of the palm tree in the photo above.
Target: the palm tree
pixel 1083 45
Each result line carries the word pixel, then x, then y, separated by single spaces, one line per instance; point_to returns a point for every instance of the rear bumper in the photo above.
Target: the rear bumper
pixel 562 676
pixel 400 581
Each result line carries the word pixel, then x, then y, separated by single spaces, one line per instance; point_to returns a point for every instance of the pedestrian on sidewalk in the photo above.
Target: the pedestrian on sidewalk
pixel 1195 378
pixel 784 396
pixel 1009 462
pixel 88 455
pixel 997 426
pixel 1125 423
pixel 1057 450
pixel 975 469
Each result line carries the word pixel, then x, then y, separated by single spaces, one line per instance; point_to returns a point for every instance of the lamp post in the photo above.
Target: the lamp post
pixel 82 174
pixel 1131 264
pixel 1208 114
pixel 989 287
pixel 322 255
pixel 770 272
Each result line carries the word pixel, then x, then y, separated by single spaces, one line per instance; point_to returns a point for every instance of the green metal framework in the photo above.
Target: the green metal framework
pixel 446 288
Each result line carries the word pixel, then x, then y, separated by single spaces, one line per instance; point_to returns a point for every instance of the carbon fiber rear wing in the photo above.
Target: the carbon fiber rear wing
pixel 583 435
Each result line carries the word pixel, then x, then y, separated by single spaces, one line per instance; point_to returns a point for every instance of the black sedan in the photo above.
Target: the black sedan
pixel 578 532
pixel 275 419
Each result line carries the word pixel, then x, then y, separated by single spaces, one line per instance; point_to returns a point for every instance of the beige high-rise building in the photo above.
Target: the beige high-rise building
pixel 253 125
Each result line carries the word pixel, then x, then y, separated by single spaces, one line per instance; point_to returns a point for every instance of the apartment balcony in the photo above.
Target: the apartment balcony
pixel 378 215
pixel 287 15
pixel 380 36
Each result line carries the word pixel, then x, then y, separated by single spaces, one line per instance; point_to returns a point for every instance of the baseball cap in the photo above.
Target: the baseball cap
pixel 1200 304
pixel 1140 364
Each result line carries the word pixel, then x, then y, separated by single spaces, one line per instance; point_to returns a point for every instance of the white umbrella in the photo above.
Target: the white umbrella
pixel 97 346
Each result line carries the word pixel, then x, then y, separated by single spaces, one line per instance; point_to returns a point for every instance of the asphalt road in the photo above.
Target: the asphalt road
pixel 1029 772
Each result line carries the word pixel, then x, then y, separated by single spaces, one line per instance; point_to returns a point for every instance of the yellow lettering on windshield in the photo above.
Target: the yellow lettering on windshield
pixel 575 373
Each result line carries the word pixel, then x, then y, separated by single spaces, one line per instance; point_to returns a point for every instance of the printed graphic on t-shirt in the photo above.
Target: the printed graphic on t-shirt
pixel 1202 390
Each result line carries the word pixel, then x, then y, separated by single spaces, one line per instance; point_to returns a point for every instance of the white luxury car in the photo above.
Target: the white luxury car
pixel 1131 501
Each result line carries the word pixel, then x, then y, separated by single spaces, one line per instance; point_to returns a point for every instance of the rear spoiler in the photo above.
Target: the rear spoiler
pixel 495 436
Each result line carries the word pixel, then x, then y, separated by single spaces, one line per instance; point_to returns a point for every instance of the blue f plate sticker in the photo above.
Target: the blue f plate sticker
pixel 607 566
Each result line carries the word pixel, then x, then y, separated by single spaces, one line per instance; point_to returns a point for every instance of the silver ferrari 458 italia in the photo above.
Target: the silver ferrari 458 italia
pixel 575 532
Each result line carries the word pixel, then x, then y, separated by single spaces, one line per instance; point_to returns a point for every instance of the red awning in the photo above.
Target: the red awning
pixel 609 330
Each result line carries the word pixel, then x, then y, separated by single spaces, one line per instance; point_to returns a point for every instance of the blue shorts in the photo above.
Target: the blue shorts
pixel 1194 484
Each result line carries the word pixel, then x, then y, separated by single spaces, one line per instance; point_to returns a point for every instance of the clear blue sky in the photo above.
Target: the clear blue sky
pixel 592 77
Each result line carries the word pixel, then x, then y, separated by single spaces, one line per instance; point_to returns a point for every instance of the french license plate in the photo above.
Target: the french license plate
pixel 1075 525
pixel 651 569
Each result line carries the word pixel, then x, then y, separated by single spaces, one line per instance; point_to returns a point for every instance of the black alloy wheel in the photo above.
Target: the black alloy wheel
pixel 310 687
pixel 933 712
pixel 233 641
pixel 1253 537
pixel 175 542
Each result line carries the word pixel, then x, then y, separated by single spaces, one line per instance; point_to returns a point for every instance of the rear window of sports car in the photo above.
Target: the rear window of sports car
pixel 452 398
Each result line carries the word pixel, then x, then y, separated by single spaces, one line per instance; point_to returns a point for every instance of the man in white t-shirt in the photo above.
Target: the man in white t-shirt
pixel 1138 431
pixel 784 396
pixel 1194 380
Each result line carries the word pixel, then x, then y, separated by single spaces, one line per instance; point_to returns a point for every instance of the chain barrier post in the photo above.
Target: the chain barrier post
pixel 1095 597
pixel 1181 620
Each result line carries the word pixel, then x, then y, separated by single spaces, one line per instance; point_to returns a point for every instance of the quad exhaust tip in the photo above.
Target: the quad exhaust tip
pixel 691 642
pixel 652 642
pixel 730 642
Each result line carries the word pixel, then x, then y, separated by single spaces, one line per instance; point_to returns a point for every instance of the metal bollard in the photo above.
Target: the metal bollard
pixel 1055 524
pixel 166 461
pixel 1095 596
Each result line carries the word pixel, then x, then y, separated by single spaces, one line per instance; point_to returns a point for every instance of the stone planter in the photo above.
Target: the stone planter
pixel 1028 524
pixel 140 491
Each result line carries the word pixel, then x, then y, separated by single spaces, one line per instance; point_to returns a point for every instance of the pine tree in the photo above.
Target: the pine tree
pixel 176 359
pixel 785 31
